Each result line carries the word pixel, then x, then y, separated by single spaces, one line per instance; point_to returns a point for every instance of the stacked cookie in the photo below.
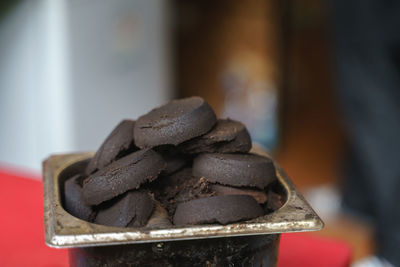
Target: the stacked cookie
pixel 180 159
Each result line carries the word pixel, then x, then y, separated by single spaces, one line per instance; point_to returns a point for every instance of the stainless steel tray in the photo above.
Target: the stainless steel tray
pixel 63 230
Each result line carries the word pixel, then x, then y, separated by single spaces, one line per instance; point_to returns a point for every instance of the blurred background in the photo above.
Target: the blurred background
pixel 71 70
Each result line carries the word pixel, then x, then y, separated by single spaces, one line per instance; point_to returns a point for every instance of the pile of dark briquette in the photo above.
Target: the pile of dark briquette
pixel 180 160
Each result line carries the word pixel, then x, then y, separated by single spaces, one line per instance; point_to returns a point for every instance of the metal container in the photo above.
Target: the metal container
pixel 250 243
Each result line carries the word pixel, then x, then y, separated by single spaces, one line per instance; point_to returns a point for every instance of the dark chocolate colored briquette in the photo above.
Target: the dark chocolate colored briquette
pixel 73 199
pixel 235 169
pixel 217 209
pixel 174 163
pixel 175 122
pixel 180 187
pixel 220 190
pixel 119 143
pixel 228 136
pixel 122 175
pixel 194 167
pixel 132 209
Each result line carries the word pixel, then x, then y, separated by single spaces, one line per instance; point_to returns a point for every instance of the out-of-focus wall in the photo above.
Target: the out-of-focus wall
pixel 119 63
pixel 71 70
pixel 228 52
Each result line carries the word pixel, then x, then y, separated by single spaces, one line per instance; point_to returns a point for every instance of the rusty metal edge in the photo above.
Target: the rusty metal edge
pixel 63 230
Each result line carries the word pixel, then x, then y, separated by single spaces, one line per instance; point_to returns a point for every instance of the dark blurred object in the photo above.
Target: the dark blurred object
pixel 311 138
pixel 260 251
pixel 367 52
pixel 6 6
pixel 229 53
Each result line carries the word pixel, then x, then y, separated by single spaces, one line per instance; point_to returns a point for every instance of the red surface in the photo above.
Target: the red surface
pixel 21 224
pixel 302 249
pixel 22 232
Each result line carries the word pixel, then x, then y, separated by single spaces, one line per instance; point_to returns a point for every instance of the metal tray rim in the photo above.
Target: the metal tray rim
pixel 63 230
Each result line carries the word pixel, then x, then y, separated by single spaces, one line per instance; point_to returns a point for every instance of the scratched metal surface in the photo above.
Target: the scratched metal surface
pixel 63 230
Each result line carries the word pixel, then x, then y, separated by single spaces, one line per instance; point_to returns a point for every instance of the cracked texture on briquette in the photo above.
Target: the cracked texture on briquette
pixel 122 175
pixel 217 209
pixel 175 122
pixel 227 136
pixel 133 209
pixel 117 144
pixel 247 170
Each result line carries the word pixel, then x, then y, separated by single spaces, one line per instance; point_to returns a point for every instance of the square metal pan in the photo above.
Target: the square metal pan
pixel 63 230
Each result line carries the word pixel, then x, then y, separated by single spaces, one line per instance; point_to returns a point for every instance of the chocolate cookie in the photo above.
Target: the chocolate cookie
pixel 118 144
pixel 217 209
pixel 248 170
pixel 174 123
pixel 122 175
pixel 228 136
pixel 221 190
pixel 73 198
pixel 133 209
